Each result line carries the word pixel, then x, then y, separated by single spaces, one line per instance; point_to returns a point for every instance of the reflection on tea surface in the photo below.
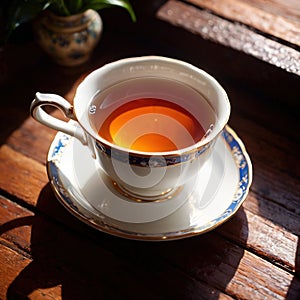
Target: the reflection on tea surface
pixel 151 115
pixel 152 125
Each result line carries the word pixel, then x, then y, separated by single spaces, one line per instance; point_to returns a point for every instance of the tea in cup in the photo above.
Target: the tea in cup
pixel 150 122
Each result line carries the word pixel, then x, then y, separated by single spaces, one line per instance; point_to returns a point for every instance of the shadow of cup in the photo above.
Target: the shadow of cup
pixel 77 262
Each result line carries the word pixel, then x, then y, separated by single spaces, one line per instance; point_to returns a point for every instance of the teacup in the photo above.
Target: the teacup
pixel 150 122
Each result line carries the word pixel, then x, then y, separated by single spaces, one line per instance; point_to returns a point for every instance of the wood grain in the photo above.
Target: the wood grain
pixel 263 236
pixel 223 258
pixel 47 253
pixel 289 9
pixel 55 255
pixel 277 159
pixel 281 248
pixel 269 205
pixel 229 34
pixel 272 17
pixel 33 145
pixel 16 224
pixel 20 176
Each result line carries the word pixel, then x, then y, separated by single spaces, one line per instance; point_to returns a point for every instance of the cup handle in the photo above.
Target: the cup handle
pixel 39 114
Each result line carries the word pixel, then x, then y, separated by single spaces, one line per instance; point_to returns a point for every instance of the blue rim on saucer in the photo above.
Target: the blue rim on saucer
pixel 71 198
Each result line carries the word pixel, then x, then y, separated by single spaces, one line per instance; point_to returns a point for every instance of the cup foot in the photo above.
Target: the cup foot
pixel 153 197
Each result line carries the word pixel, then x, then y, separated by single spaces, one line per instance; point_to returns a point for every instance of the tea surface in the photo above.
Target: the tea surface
pixel 151 125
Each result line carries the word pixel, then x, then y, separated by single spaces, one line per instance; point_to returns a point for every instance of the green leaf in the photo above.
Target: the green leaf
pixel 22 11
pixel 59 7
pixel 74 6
pixel 18 12
pixel 100 4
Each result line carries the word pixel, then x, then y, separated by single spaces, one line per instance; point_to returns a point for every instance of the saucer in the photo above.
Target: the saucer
pixel 200 205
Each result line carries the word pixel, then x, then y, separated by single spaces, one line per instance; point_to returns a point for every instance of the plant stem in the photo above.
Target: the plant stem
pixel 60 7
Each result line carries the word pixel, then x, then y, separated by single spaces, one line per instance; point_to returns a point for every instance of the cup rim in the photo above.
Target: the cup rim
pixel 140 59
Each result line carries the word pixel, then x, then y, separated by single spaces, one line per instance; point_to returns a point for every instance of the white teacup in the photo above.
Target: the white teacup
pixel 148 150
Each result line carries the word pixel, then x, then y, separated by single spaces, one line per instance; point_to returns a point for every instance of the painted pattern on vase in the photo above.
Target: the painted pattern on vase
pixel 70 40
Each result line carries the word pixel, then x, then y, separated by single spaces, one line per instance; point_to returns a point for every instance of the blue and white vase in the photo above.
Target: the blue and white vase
pixel 70 40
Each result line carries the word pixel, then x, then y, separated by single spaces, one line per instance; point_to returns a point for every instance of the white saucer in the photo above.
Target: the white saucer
pixel 202 204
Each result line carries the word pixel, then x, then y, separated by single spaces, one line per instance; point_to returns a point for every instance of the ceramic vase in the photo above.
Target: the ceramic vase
pixel 70 40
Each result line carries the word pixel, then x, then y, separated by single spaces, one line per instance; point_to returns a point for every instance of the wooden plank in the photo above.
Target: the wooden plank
pixel 17 284
pixel 262 235
pixel 272 284
pixel 214 260
pixel 65 260
pixel 235 36
pixel 281 141
pixel 289 9
pixel 34 72
pixel 273 212
pixel 32 139
pixel 21 176
pixel 265 184
pixel 268 16
pixel 276 115
pixel 276 162
pixel 223 265
pixel 12 265
pixel 273 156
pixel 284 192
pixel 16 224
pixel 242 119
pixel 22 278
pixel 259 241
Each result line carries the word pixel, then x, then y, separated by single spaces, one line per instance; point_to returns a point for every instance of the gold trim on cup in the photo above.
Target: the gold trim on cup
pixel 142 160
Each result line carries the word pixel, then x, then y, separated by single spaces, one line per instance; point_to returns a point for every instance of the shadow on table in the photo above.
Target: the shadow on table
pixel 294 289
pixel 88 264
pixel 24 80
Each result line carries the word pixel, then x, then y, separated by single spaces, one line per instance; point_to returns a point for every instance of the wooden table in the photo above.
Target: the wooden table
pixel 46 253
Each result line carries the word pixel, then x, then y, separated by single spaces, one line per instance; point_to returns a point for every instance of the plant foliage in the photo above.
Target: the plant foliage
pixel 17 12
